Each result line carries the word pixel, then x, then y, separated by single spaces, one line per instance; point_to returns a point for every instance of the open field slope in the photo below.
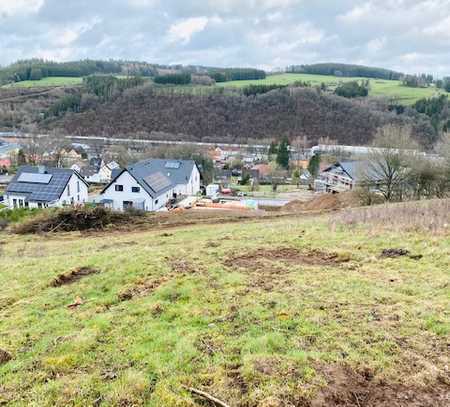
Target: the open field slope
pixel 378 87
pixel 271 312
pixel 47 82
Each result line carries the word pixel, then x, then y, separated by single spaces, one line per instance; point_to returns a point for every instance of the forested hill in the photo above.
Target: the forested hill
pixel 36 69
pixel 346 70
pixel 231 118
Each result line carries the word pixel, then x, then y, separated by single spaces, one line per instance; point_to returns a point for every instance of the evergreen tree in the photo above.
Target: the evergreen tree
pixel 283 153
pixel 314 165
pixel 273 148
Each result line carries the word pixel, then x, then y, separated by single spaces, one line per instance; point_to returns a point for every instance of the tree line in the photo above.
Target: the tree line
pixel 345 70
pixel 36 69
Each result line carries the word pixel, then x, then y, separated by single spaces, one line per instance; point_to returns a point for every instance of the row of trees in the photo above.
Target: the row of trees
pixel 417 81
pixel 345 70
pixel 173 79
pixel 36 69
pixel 235 74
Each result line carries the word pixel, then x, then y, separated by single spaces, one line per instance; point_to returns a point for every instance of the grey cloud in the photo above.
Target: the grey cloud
pixel 408 35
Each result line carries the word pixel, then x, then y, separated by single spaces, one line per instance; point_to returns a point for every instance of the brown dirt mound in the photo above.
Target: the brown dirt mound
pixel 72 276
pixel 324 202
pixel 4 356
pixel 287 255
pixel 345 387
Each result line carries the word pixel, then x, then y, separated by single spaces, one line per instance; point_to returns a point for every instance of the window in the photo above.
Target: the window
pixel 78 198
pixel 15 203
pixel 135 189
pixel 118 188
pixel 39 205
pixel 156 202
pixel 78 187
pixel 27 204
pixel 68 189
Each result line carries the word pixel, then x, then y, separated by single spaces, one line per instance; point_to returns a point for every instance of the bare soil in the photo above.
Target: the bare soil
pixel 346 387
pixel 4 356
pixel 324 202
pixel 72 276
pixel 288 255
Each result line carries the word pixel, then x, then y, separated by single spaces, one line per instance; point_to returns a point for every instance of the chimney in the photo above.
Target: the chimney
pixel 41 169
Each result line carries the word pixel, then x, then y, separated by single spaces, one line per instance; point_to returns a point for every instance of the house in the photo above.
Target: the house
pixel 150 184
pixel 341 176
pixel 37 187
pixel 7 150
pixel 106 170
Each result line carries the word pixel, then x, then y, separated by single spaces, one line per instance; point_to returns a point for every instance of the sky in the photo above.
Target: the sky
pixel 410 36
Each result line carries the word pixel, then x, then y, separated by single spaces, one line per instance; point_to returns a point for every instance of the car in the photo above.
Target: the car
pixel 2 198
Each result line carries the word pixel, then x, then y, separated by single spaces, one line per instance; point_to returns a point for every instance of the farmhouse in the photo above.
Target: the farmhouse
pixel 342 176
pixel 38 187
pixel 150 184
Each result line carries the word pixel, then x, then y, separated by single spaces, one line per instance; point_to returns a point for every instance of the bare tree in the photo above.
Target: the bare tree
pixel 390 161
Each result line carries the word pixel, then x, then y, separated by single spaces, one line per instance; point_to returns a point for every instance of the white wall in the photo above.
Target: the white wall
pixel 192 186
pixel 76 192
pixel 128 182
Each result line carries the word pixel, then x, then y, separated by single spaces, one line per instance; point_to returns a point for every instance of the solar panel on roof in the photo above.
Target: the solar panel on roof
pixel 35 178
pixel 157 181
pixel 173 164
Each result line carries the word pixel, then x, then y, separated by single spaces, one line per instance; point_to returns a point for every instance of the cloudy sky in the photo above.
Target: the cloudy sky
pixel 406 35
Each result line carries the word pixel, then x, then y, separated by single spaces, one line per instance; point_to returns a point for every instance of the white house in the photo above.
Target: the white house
pixel 38 187
pixel 106 171
pixel 150 184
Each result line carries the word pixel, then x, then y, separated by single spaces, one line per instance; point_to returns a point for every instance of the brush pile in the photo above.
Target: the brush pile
pixel 75 219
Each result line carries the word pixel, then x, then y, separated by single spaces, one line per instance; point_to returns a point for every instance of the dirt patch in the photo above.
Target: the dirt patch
pixel 182 266
pixel 346 387
pixel 4 356
pixel 265 266
pixel 287 255
pixel 72 276
pixel 325 202
pixel 142 288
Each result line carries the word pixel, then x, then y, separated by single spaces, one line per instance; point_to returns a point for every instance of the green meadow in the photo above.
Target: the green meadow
pixel 265 312
pixel 378 87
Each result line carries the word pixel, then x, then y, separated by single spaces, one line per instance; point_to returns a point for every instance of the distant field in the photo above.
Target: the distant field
pixel 51 81
pixel 378 87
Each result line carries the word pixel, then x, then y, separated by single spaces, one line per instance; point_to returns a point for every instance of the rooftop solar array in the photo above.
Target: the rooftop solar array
pixel 157 181
pixel 173 165
pixel 32 185
pixel 35 178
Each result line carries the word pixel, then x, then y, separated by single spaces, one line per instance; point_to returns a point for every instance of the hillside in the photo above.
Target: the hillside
pixel 217 117
pixel 390 89
pixel 296 311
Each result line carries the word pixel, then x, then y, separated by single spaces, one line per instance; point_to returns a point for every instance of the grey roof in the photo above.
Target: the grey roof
pixel 157 176
pixel 40 191
pixel 354 169
pixel 88 171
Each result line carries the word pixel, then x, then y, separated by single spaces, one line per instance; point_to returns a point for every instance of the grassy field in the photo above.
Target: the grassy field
pixel 269 312
pixel 46 82
pixel 378 87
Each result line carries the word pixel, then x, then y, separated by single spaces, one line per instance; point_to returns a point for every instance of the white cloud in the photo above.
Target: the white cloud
pixel 357 13
pixel 183 30
pixel 10 8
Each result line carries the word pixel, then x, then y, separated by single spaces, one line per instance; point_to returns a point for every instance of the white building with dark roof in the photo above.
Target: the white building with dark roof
pixel 39 187
pixel 148 185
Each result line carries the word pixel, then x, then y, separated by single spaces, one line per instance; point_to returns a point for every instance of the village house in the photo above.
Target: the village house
pixel 38 187
pixel 149 185
pixel 7 151
pixel 341 176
